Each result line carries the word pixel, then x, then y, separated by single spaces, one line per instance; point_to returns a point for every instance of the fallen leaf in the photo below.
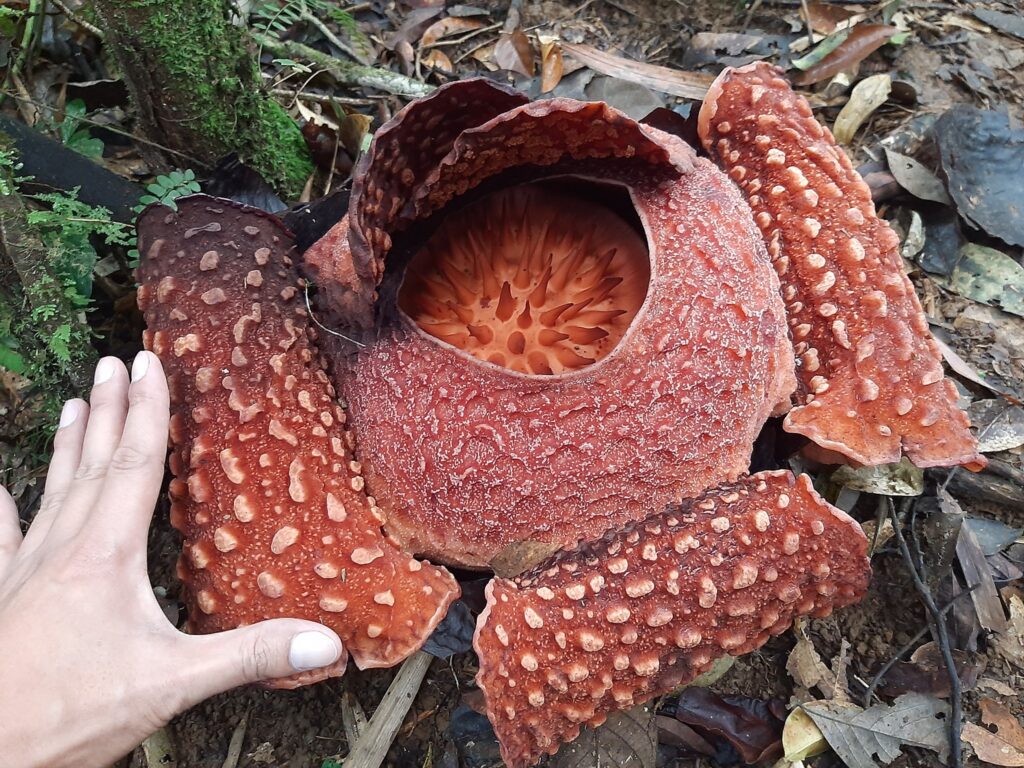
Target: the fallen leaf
pixel 989 276
pixel 982 156
pixel 826 46
pixel 688 85
pixel 1010 644
pixel 436 59
pixel 633 99
pixel 996 685
pixel 993 536
pixel 1004 747
pixel 902 479
pixel 916 179
pixel 861 42
pixel 964 369
pixel 551 66
pixel 858 735
pixel 978 576
pixel 825 17
pixel 804 664
pixel 446 27
pixel 801 738
pixel 749 725
pixel 867 96
pixel 1010 23
pixel 676 734
pixel 514 52
pixel 1000 425
pixel 626 738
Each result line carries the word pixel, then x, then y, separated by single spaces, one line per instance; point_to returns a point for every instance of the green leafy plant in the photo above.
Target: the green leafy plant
pixel 169 187
pixel 75 135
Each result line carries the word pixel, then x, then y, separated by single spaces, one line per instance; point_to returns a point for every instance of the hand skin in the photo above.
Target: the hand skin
pixel 89 664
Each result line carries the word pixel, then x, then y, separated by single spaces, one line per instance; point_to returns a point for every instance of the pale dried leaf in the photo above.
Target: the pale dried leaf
pixel 514 52
pixel 446 27
pixel 804 664
pixel 1004 747
pixel 688 85
pixel 902 479
pixel 916 179
pixel 801 738
pixel 1010 644
pixel 859 735
pixel 989 276
pixel 867 96
pixel 627 739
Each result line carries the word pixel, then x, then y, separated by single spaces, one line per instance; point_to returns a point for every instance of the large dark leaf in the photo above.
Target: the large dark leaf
pixel 983 157
pixel 752 726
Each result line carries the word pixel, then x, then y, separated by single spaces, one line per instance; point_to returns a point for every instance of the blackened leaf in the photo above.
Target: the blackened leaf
pixel 474 739
pixel 982 157
pixel 454 634
pixel 627 739
pixel 747 724
pixel 234 180
pixel 310 222
pixel 1010 23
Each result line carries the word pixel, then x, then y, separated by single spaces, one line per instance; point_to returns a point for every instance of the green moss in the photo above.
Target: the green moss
pixel 213 104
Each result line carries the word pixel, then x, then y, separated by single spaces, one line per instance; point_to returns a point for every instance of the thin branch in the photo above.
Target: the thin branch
pixel 941 637
pixel 345 72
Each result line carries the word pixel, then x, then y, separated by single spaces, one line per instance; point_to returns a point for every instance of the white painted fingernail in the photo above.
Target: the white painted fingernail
pixel 68 414
pixel 140 366
pixel 104 370
pixel 312 650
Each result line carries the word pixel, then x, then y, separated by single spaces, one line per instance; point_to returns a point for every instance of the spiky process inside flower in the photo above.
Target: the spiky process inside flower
pixel 529 279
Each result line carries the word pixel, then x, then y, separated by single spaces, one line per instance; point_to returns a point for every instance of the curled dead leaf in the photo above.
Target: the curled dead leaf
pixel 867 96
pixel 514 52
pixel 447 27
pixel 863 40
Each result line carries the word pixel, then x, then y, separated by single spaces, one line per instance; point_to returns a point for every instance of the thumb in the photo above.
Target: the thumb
pixel 286 653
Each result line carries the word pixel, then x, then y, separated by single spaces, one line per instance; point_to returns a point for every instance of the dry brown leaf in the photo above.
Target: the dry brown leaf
pixel 688 85
pixel 451 25
pixel 804 664
pixel 1010 644
pixel 551 67
pixel 1004 747
pixel 825 17
pixel 514 52
pixel 436 59
pixel 864 40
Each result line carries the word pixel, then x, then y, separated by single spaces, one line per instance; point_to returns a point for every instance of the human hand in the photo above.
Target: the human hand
pixel 89 664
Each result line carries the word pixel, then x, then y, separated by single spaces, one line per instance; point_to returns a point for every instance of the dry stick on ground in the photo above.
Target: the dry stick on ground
pixel 938 626
pixel 345 72
pixel 373 744
pixel 870 692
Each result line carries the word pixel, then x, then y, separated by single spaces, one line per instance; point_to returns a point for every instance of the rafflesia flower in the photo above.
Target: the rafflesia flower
pixel 550 328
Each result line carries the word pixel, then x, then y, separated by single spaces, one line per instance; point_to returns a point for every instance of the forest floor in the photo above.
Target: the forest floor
pixel 964 265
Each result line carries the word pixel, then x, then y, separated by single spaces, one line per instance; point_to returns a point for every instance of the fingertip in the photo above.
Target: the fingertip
pixel 71 412
pixel 313 649
pixel 106 369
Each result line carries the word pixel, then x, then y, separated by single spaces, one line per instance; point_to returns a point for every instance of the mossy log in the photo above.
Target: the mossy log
pixel 195 82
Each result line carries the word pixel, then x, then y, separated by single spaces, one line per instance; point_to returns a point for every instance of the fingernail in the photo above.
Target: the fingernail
pixel 140 366
pixel 104 370
pixel 312 650
pixel 68 414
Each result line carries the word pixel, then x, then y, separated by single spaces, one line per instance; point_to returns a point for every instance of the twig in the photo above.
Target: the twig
pixel 332 38
pixel 320 98
pixel 92 29
pixel 870 692
pixel 346 72
pixel 941 636
pixel 235 745
pixel 371 748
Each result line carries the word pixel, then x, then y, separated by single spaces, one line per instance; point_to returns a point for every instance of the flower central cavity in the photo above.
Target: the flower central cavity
pixel 531 279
